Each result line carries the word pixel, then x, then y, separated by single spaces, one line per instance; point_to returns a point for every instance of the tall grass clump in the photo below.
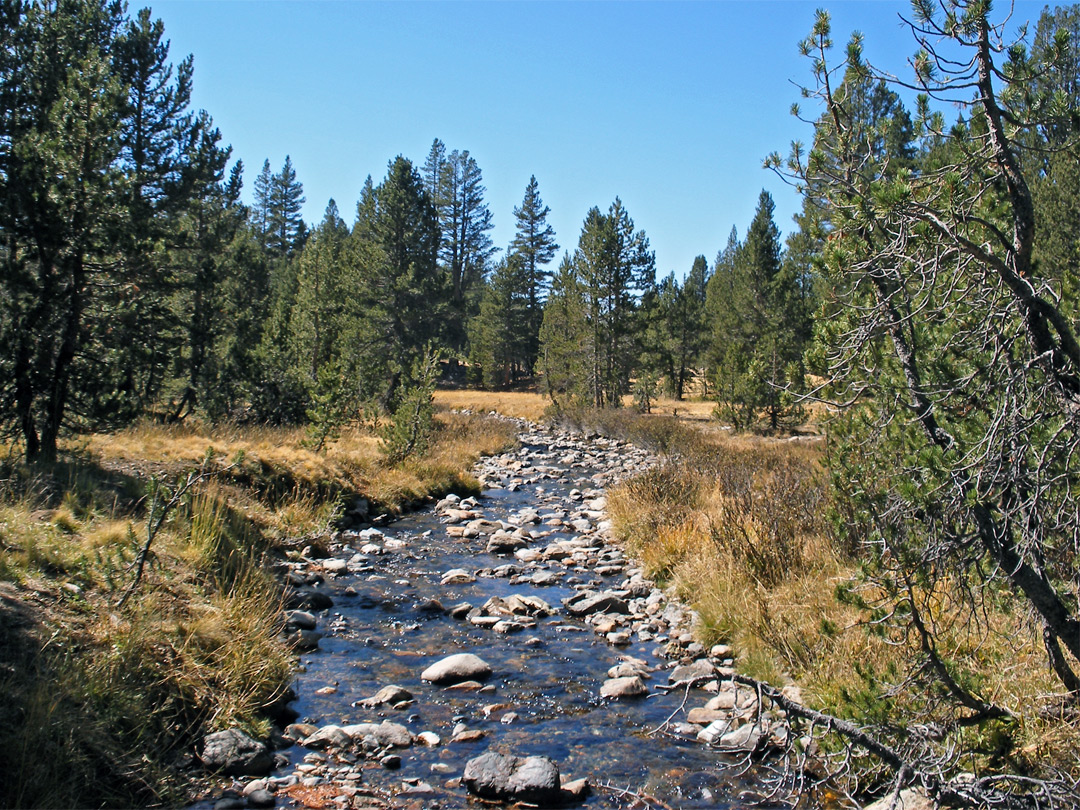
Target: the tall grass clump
pixel 100 699
pixel 737 526
pixel 743 529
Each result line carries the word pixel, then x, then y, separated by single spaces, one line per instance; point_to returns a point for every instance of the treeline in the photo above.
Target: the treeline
pixel 136 282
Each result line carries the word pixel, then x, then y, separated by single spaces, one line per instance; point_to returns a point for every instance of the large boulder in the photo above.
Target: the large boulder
pixel 457 668
pixel 518 779
pixel 234 753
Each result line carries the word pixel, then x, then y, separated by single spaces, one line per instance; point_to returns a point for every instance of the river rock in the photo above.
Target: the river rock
pixel 542 579
pixel 576 791
pixel 746 739
pixel 298 732
pixel 386 734
pixel 457 576
pixel 300 620
pixel 261 798
pixel 391 695
pixel 468 735
pixel 629 669
pixel 504 544
pixel 508 778
pixel 256 784
pixel 587 603
pixel 305 640
pixel 518 605
pixel 525 517
pixel 457 668
pixel 704 716
pixel 327 736
pixel 335 566
pixel 430 606
pixel 308 599
pixel 700 670
pixel 429 738
pixel 235 753
pixel 631 686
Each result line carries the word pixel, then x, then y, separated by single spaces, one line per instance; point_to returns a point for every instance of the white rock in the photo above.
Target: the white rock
pixel 457 668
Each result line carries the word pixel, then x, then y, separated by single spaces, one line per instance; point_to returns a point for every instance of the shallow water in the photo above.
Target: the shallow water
pixel 549 675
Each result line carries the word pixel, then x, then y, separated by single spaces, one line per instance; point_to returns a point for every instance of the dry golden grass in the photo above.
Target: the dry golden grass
pixel 287 487
pixel 520 404
pixel 197 648
pixel 155 448
pixel 737 529
pixel 690 410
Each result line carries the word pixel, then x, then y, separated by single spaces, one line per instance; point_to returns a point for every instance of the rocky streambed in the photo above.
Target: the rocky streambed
pixel 504 648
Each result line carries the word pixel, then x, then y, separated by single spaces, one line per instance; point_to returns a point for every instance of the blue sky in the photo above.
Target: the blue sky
pixel 670 105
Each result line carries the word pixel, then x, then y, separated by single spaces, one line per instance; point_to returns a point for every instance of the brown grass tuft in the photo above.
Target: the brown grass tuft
pixel 99 699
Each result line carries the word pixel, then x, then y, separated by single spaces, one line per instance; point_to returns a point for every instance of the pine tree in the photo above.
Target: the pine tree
pixel 62 204
pixel 673 331
pixel 162 154
pixel 465 246
pixel 689 326
pixel 286 230
pixel 534 242
pixel 321 313
pixel 612 267
pixel 402 290
pixel 204 234
pixel 366 208
pixel 760 321
pixel 657 342
pixel 565 340
pixel 243 306
pixel 498 345
pixel 263 190
pixel 433 171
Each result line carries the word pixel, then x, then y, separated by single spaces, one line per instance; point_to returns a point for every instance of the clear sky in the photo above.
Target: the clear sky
pixel 671 106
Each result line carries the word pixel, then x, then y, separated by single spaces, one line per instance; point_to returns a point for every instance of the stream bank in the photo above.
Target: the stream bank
pixel 585 662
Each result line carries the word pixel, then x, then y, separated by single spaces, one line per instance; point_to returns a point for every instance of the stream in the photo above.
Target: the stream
pixel 408 594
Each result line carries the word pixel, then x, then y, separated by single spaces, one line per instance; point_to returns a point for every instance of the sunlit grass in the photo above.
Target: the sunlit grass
pixel 737 528
pixel 106 694
pixel 520 404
